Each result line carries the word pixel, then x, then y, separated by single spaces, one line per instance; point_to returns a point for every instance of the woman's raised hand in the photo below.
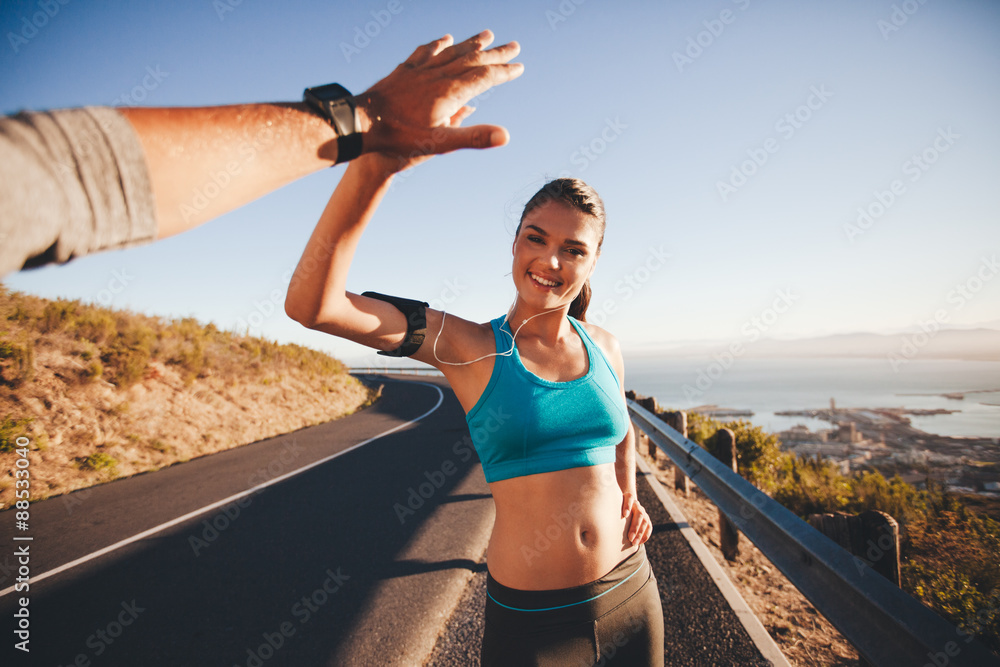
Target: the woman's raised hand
pixel 417 110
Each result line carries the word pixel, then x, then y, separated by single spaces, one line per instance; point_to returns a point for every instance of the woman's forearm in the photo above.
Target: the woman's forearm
pixel 625 462
pixel 318 286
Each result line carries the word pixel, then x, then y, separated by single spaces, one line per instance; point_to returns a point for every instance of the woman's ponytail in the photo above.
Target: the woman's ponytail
pixel 578 309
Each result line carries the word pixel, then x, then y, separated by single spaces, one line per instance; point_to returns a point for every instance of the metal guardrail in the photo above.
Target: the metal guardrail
pixel 885 624
pixel 398 370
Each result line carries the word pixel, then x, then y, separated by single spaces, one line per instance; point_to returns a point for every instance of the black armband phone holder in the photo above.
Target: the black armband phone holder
pixel 416 323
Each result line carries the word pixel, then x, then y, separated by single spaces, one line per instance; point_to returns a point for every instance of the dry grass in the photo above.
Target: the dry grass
pixel 104 394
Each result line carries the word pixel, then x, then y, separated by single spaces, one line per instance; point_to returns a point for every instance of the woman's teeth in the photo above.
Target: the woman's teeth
pixel 543 281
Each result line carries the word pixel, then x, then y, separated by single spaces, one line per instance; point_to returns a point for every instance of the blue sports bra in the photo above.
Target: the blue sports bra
pixel 524 425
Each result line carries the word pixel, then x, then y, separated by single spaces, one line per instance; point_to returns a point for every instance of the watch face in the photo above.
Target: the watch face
pixel 329 92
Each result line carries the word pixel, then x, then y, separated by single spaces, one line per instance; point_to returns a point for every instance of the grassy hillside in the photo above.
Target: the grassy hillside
pixel 102 394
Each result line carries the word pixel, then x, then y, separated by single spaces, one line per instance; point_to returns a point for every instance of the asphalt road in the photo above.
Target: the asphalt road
pixel 279 577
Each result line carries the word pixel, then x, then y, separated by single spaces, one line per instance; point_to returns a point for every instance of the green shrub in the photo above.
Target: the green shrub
pixel 17 361
pixel 126 355
pixel 58 315
pixel 99 461
pixel 190 358
pixel 758 453
pixel 10 430
pixel 96 325
pixel 159 446
pixel 93 371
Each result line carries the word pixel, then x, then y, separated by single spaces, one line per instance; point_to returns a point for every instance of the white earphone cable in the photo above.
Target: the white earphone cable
pixel 506 353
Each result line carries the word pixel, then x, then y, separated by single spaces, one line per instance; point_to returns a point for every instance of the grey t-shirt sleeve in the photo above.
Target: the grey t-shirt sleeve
pixel 72 182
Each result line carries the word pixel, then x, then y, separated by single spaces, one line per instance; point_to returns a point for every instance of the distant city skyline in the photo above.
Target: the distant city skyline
pixel 780 170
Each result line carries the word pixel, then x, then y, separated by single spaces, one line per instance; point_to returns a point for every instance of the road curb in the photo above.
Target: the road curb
pixel 758 635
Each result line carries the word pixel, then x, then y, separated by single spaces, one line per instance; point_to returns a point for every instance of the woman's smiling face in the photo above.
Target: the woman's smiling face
pixel 554 253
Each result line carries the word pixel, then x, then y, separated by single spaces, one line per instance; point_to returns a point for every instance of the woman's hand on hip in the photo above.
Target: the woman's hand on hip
pixel 638 524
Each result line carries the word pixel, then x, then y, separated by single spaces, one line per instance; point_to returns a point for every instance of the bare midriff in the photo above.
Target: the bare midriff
pixel 557 529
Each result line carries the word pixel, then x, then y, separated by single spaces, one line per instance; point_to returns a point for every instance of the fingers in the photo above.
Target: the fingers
pixel 461 115
pixel 501 54
pixel 474 43
pixel 478 80
pixel 445 140
pixel 641 528
pixel 439 45
pixel 426 51
pixel 471 53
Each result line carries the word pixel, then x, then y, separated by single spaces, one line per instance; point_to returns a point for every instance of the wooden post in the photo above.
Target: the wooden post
pixel 724 449
pixel 882 543
pixel 678 421
pixel 649 402
pixel 871 536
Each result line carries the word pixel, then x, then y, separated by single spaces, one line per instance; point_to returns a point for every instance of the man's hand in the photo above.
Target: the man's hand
pixel 418 108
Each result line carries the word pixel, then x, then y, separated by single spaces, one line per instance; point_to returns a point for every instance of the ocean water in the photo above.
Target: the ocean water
pixel 768 385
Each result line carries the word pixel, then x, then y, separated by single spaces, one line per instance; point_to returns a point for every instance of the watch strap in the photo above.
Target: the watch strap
pixel 336 104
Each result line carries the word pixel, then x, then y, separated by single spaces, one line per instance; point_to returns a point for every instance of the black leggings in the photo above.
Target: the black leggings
pixel 614 620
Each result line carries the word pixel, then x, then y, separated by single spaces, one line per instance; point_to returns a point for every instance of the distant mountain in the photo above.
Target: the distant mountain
pixel 969 344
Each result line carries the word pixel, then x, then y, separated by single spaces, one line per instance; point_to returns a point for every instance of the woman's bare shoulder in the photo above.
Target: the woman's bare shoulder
pixel 604 338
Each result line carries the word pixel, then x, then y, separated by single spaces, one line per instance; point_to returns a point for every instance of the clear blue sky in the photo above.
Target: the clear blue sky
pixel 654 104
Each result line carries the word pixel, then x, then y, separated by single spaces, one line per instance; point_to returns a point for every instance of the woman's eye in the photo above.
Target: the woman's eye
pixel 576 251
pixel 535 239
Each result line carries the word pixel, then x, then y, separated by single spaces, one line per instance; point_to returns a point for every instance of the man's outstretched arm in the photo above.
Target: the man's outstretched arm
pixel 172 169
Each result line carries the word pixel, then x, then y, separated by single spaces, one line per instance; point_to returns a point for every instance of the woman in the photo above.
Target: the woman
pixel 568 582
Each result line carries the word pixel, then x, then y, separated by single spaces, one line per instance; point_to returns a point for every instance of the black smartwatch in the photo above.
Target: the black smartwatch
pixel 336 104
